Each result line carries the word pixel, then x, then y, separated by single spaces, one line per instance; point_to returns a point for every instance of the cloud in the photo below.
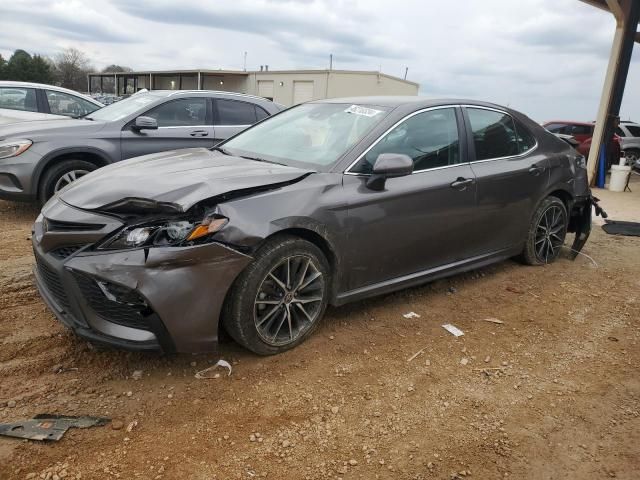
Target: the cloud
pixel 546 58
pixel 65 19
pixel 300 27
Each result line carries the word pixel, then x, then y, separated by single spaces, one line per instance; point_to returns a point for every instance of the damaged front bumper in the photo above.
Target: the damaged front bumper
pixel 580 221
pixel 166 298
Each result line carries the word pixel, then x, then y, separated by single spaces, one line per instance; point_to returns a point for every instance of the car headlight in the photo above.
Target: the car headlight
pixel 170 233
pixel 13 148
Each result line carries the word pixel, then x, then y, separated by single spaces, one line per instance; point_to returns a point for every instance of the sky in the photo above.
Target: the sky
pixel 546 58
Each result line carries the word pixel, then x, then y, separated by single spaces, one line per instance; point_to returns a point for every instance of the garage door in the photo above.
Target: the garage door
pixel 302 91
pixel 265 89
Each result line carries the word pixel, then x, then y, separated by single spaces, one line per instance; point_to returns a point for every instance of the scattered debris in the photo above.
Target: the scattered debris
pixel 453 330
pixel 452 290
pixel 132 425
pixel 417 354
pixel 514 290
pixel 493 320
pixel 612 339
pixel 137 374
pixel 202 374
pixel 464 361
pixel 488 371
pixel 49 426
pixel 411 315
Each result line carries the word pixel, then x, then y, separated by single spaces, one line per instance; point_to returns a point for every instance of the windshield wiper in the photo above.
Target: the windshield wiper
pixel 222 150
pixel 258 159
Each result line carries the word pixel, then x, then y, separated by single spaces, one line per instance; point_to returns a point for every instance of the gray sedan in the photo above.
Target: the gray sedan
pixel 37 159
pixel 325 203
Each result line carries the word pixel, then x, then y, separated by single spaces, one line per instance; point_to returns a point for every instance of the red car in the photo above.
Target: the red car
pixel 582 133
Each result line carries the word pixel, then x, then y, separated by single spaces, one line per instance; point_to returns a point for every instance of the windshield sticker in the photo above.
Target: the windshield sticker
pixel 367 112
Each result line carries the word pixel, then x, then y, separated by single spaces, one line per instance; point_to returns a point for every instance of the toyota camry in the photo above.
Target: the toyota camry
pixel 325 203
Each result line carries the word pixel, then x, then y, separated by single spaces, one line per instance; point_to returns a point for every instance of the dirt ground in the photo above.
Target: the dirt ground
pixel 551 393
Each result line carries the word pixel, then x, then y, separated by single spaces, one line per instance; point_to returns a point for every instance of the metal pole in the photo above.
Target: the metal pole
pixel 115 84
pixel 627 13
pixel 331 61
pixel 406 70
pixel 199 81
pixel 245 62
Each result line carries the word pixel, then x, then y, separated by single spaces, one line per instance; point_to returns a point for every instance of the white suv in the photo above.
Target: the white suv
pixel 25 101
pixel 629 133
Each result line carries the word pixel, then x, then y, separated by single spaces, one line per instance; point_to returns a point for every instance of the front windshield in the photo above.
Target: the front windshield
pixel 313 135
pixel 123 108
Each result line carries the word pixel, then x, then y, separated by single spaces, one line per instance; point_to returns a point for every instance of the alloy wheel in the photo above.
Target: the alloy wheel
pixel 289 300
pixel 550 233
pixel 69 177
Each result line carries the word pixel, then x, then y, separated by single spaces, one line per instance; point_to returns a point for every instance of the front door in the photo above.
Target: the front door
pixel 420 221
pixel 512 176
pixel 182 123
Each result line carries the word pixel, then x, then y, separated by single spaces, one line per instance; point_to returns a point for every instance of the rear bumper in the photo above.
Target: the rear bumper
pixel 581 219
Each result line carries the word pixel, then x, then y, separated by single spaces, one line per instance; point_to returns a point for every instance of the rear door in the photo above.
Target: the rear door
pixel 420 221
pixel 182 123
pixel 512 176
pixel 233 116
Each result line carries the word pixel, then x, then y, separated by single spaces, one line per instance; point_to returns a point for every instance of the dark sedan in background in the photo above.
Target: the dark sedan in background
pixel 39 158
pixel 325 203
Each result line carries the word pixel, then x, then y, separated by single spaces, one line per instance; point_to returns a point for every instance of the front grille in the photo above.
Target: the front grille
pixel 52 282
pixel 64 252
pixel 50 225
pixel 125 307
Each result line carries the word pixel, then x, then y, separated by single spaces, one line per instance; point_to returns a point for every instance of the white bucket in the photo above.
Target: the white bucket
pixel 619 176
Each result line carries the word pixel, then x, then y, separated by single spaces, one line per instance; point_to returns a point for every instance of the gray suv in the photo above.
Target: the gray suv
pixel 39 158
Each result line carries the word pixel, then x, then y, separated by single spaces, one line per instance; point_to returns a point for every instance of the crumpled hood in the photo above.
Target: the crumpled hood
pixel 179 178
pixel 39 128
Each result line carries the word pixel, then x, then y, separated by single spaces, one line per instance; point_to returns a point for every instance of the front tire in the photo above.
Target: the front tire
pixel 60 175
pixel 280 298
pixel 547 232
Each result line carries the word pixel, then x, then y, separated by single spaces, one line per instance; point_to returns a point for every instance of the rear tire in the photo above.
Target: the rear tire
pixel 268 310
pixel 60 175
pixel 547 232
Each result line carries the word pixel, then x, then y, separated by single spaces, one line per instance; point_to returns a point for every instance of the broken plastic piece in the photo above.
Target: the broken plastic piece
pixel 411 315
pixel 49 426
pixel 493 320
pixel 453 330
pixel 202 374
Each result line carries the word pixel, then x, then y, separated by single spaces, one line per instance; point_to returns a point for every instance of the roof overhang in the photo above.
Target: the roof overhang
pixel 618 8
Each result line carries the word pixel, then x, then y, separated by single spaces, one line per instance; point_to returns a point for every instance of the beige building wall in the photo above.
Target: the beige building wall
pixel 359 84
pixel 331 84
pixel 230 83
pixel 283 84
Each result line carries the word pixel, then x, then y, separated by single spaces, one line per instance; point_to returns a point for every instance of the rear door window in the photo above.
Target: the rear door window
pixel 18 99
pixel 185 112
pixel 494 134
pixel 580 130
pixel 634 130
pixel 526 140
pixel 235 113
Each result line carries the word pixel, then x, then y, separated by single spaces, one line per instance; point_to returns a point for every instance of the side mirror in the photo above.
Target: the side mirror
pixel 145 123
pixel 389 165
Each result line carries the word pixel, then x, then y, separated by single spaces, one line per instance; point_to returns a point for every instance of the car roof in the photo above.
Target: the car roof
pixel 569 122
pixel 416 101
pixel 172 93
pixel 11 83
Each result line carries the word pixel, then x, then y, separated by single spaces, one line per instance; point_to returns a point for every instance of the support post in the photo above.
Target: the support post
pixel 627 13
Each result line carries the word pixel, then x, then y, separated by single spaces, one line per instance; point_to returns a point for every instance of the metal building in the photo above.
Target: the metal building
pixel 288 87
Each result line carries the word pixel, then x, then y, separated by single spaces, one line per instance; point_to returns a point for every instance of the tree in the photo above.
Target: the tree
pixel 116 69
pixel 71 69
pixel 3 66
pixel 20 67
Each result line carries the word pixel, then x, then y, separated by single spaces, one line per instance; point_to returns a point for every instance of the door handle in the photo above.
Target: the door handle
pixel 199 133
pixel 461 183
pixel 536 170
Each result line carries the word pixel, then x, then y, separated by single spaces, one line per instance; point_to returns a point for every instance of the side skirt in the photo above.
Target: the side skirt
pixel 425 276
